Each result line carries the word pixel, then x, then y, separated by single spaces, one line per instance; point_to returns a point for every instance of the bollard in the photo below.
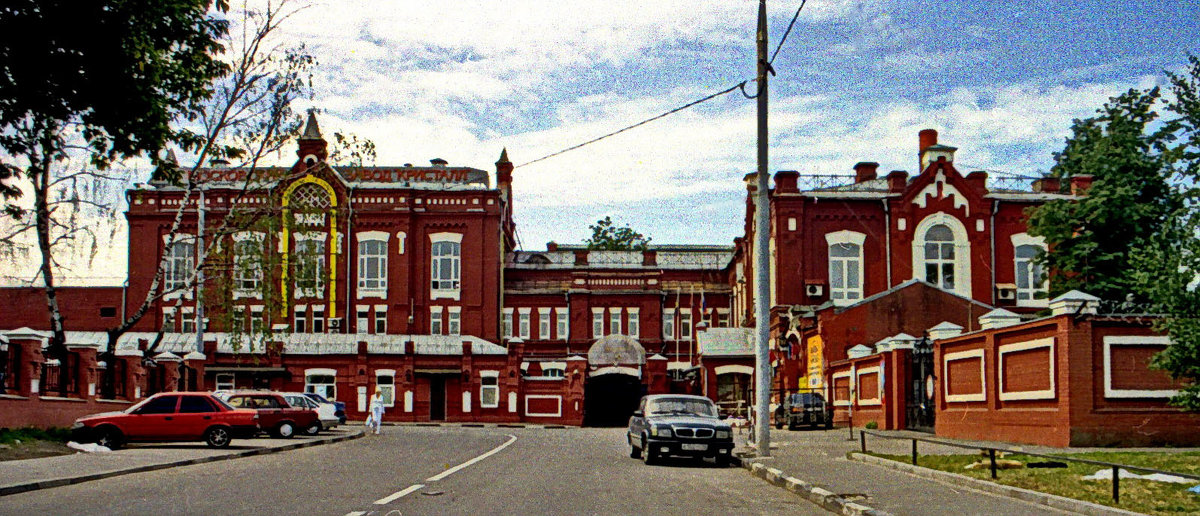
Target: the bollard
pixel 914 454
pixel 1116 484
pixel 862 440
pixel 992 457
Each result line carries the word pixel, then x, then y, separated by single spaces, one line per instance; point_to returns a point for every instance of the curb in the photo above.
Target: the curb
pixel 821 497
pixel 1036 497
pixel 59 482
pixel 479 425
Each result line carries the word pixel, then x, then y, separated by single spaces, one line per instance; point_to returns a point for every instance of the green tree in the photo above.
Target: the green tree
pixel 94 82
pixel 607 237
pixel 1130 199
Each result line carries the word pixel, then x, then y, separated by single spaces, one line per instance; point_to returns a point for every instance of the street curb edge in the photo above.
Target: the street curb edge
pixel 816 495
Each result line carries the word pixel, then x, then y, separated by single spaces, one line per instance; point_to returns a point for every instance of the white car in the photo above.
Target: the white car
pixel 326 412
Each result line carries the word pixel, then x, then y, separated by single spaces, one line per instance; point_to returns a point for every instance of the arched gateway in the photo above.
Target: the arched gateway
pixel 614 384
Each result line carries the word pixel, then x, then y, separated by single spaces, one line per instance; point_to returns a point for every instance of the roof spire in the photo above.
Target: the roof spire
pixel 312 131
pixel 504 156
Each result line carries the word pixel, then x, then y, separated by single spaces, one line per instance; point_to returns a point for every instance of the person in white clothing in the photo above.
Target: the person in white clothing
pixel 375 412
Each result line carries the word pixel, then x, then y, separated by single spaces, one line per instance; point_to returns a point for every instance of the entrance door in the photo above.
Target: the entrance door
pixel 919 409
pixel 610 399
pixel 437 398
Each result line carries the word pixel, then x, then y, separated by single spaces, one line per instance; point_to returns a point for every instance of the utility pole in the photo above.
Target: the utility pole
pixel 762 260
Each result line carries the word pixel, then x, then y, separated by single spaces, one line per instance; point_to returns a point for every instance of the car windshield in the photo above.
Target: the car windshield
pixel 222 403
pixel 807 398
pixel 691 406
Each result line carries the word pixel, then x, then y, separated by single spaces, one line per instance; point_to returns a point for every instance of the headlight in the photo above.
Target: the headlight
pixel 722 434
pixel 77 425
pixel 660 431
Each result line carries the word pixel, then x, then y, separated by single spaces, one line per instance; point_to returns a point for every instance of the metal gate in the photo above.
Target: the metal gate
pixel 919 409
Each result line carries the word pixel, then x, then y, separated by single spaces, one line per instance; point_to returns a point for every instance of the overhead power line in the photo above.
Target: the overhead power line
pixel 786 32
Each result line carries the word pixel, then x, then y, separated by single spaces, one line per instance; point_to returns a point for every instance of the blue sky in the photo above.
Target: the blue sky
pixel 856 80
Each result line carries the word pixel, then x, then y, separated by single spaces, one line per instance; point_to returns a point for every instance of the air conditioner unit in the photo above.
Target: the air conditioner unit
pixel 1006 292
pixel 814 290
pixel 335 323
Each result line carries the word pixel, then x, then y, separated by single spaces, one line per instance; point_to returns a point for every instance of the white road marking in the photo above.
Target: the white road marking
pixel 396 496
pixel 356 513
pixel 455 469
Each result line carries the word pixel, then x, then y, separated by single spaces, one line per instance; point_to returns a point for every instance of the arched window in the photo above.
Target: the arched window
pixel 445 264
pixel 845 266
pixel 941 253
pixel 372 264
pixel 1030 277
pixel 310 262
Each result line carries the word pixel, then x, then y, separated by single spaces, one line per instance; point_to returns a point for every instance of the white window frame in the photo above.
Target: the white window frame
pixel 562 323
pixel 389 389
pixel 225 382
pixel 187 319
pixel 878 399
pixel 362 319
pixel 445 269
pixel 669 324
pixel 846 294
pixel 614 320
pixel 722 317
pixel 524 314
pixel 1030 292
pixel 376 286
pixel 633 325
pixel 179 266
pixel 508 327
pixel 380 322
pixel 435 321
pixel 317 288
pixel 544 324
pixel 1007 395
pixel 850 392
pixel 300 315
pixel 318 319
pixel 247 270
pixel 328 390
pixel 597 322
pixel 257 322
pixel 1132 340
pixel 962 250
pixel 454 320
pixel 486 386
pixel 170 321
pixel 685 324
pixel 237 319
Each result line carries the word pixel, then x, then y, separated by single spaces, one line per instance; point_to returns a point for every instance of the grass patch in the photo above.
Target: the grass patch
pixel 31 443
pixel 11 435
pixel 1136 495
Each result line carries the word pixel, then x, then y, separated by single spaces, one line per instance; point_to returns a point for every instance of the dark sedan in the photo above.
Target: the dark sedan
pixel 680 425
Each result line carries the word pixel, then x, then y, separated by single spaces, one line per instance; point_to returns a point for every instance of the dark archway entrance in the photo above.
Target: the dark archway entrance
pixel 609 399
pixel 920 408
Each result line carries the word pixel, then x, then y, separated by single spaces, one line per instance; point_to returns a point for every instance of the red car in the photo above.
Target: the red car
pixel 275 415
pixel 170 416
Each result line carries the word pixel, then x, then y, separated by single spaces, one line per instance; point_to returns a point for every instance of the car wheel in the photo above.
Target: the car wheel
pixel 217 437
pixel 829 423
pixel 648 457
pixel 285 430
pixel 778 422
pixel 792 425
pixel 109 437
pixel 722 461
pixel 313 429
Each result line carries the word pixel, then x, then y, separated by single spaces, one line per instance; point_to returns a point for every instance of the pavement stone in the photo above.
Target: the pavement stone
pixel 18 476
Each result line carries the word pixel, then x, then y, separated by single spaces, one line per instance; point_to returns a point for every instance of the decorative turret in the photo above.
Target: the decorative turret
pixel 929 151
pixel 312 145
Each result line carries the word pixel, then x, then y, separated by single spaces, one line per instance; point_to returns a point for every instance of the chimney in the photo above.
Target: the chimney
pixel 897 180
pixel 930 151
pixel 551 247
pixel 1048 185
pixel 751 181
pixel 865 171
pixel 1080 184
pixel 581 257
pixel 926 138
pixel 312 146
pixel 649 258
pixel 438 162
pixel 785 181
pixel 978 180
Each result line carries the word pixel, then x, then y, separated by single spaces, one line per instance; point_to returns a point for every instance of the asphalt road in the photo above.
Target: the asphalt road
pixel 430 470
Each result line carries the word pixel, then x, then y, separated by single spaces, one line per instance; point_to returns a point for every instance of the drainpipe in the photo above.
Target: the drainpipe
pixel 350 245
pixel 887 239
pixel 992 231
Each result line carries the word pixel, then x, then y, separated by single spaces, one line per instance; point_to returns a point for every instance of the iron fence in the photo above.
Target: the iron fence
pixel 10 369
pixel 51 379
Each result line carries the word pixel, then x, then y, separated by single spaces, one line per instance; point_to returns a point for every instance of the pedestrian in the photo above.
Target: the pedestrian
pixel 375 414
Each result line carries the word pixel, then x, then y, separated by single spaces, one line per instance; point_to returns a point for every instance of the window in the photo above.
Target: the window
pixel 939 257
pixel 669 324
pixel 435 320
pixel 180 264
pixel 552 372
pixel 445 261
pixel 247 263
pixel 1031 278
pixel 941 253
pixel 635 324
pixel 168 319
pixel 225 382
pixel 321 381
pixel 685 325
pixel 508 323
pixel 489 389
pixel 195 405
pixel 597 323
pixel 187 321
pixel 362 321
pixel 310 264
pixel 318 319
pixel 614 321
pixel 372 264
pixel 722 317
pixel 380 319
pixel 159 405
pixel 256 319
pixel 385 380
pixel 237 319
pixel 300 319
pixel 845 266
pixel 544 323
pixel 561 314
pixel 523 323
pixel 454 321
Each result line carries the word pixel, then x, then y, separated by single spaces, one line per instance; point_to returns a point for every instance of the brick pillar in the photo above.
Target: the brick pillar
pixel 469 382
pixel 168 363
pixel 654 375
pixel 135 375
pixel 196 361
pixel 406 405
pixel 30 364
pixel 85 375
pixel 513 385
pixel 576 374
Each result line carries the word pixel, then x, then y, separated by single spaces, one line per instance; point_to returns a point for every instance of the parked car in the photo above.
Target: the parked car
pixel 339 406
pixel 173 416
pixel 674 424
pixel 326 412
pixel 804 408
pixel 275 415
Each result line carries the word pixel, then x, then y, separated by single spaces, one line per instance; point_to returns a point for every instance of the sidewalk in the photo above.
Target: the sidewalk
pixel 818 458
pixel 18 476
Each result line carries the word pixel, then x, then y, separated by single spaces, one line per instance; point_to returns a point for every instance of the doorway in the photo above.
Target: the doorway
pixel 437 398
pixel 609 399
pixel 920 407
